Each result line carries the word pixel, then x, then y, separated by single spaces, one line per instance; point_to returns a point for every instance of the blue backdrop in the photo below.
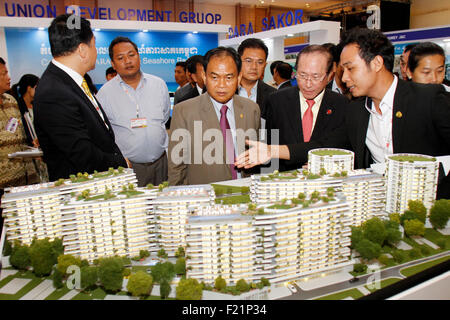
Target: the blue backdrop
pixel 29 51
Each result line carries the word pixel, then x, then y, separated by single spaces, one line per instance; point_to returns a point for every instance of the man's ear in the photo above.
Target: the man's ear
pixel 409 73
pixel 239 78
pixel 112 64
pixel 377 63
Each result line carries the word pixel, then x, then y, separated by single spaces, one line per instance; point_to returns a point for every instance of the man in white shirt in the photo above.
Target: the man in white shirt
pixel 73 131
pixel 137 105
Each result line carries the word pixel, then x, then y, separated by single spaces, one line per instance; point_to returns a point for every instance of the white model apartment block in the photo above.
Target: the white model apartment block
pixel 410 177
pixel 331 160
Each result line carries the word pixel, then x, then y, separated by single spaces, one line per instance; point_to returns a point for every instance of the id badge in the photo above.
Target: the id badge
pixel 138 123
pixel 12 125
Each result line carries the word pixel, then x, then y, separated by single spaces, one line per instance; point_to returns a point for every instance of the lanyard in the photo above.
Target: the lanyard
pixel 131 98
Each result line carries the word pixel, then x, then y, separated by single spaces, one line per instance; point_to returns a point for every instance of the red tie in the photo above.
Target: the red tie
pixel 225 126
pixel 307 121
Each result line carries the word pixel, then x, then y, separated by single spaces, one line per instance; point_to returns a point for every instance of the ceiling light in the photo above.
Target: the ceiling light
pixel 97 29
pixel 194 31
pixel 145 30
pixel 41 28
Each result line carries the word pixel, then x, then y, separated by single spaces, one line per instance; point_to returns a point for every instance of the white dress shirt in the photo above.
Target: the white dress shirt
pixel 379 131
pixel 315 107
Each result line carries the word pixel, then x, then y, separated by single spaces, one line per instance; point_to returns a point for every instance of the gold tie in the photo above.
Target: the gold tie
pixel 86 89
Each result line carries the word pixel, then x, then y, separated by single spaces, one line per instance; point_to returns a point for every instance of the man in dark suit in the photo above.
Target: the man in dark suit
pixel 195 70
pixel 282 75
pixel 73 131
pixel 391 115
pixel 289 110
pixel 254 54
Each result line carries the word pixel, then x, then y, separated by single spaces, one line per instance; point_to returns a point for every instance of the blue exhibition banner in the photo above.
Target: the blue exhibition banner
pixel 29 51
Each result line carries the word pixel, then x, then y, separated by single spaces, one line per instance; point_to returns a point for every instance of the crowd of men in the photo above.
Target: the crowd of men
pixel 344 96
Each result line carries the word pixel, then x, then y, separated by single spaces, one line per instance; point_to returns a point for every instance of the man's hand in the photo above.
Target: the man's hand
pixel 258 153
pixel 128 163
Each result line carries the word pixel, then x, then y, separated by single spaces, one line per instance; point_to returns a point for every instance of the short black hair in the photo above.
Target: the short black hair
pixel 319 49
pixel 191 63
pixel 371 43
pixel 118 40
pixel 422 50
pixel 2 61
pixel 181 64
pixel 110 70
pixel 65 39
pixel 273 65
pixel 224 51
pixel 253 43
pixel 409 47
pixel 284 69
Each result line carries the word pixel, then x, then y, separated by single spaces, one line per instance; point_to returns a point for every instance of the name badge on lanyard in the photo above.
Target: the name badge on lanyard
pixel 12 125
pixel 138 123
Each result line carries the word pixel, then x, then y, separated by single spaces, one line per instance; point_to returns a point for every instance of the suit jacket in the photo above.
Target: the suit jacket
pixel 286 84
pixel 262 94
pixel 184 93
pixel 71 133
pixel 420 124
pixel 283 113
pixel 196 116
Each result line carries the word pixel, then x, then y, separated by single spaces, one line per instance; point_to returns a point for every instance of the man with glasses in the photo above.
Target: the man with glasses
pixel 309 111
pixel 254 54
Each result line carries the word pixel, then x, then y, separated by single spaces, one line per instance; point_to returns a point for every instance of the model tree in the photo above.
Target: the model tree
pixel 140 284
pixel 164 289
pixel 20 256
pixel 368 249
pixel 89 277
pixel 414 227
pixel 374 230
pixel 162 253
pixel 220 283
pixel 418 207
pixel 163 271
pixel 42 257
pixel 189 289
pixel 64 261
pixel 242 285
pixel 110 273
pixel 180 266
pixel 57 278
pixel 440 213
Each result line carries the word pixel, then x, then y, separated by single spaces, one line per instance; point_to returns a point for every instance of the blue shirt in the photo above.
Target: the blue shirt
pixel 150 100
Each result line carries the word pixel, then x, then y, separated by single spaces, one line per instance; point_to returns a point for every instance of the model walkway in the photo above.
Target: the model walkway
pixel 40 292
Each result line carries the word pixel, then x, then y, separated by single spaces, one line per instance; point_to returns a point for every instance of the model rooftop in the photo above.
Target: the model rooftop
pixel 411 158
pixel 330 152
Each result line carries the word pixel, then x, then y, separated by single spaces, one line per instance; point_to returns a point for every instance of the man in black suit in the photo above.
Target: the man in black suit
pixel 196 71
pixel 391 115
pixel 254 54
pixel 282 75
pixel 73 131
pixel 289 110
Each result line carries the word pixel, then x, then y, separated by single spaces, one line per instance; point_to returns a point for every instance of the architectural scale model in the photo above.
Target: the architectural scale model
pixel 410 177
pixel 297 224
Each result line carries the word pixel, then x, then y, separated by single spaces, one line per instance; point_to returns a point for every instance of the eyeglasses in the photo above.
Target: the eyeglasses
pixel 315 78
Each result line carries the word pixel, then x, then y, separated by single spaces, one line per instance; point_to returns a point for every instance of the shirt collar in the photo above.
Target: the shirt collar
pixel 122 82
pixel 253 90
pixel 387 103
pixel 218 105
pixel 78 78
pixel 317 99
